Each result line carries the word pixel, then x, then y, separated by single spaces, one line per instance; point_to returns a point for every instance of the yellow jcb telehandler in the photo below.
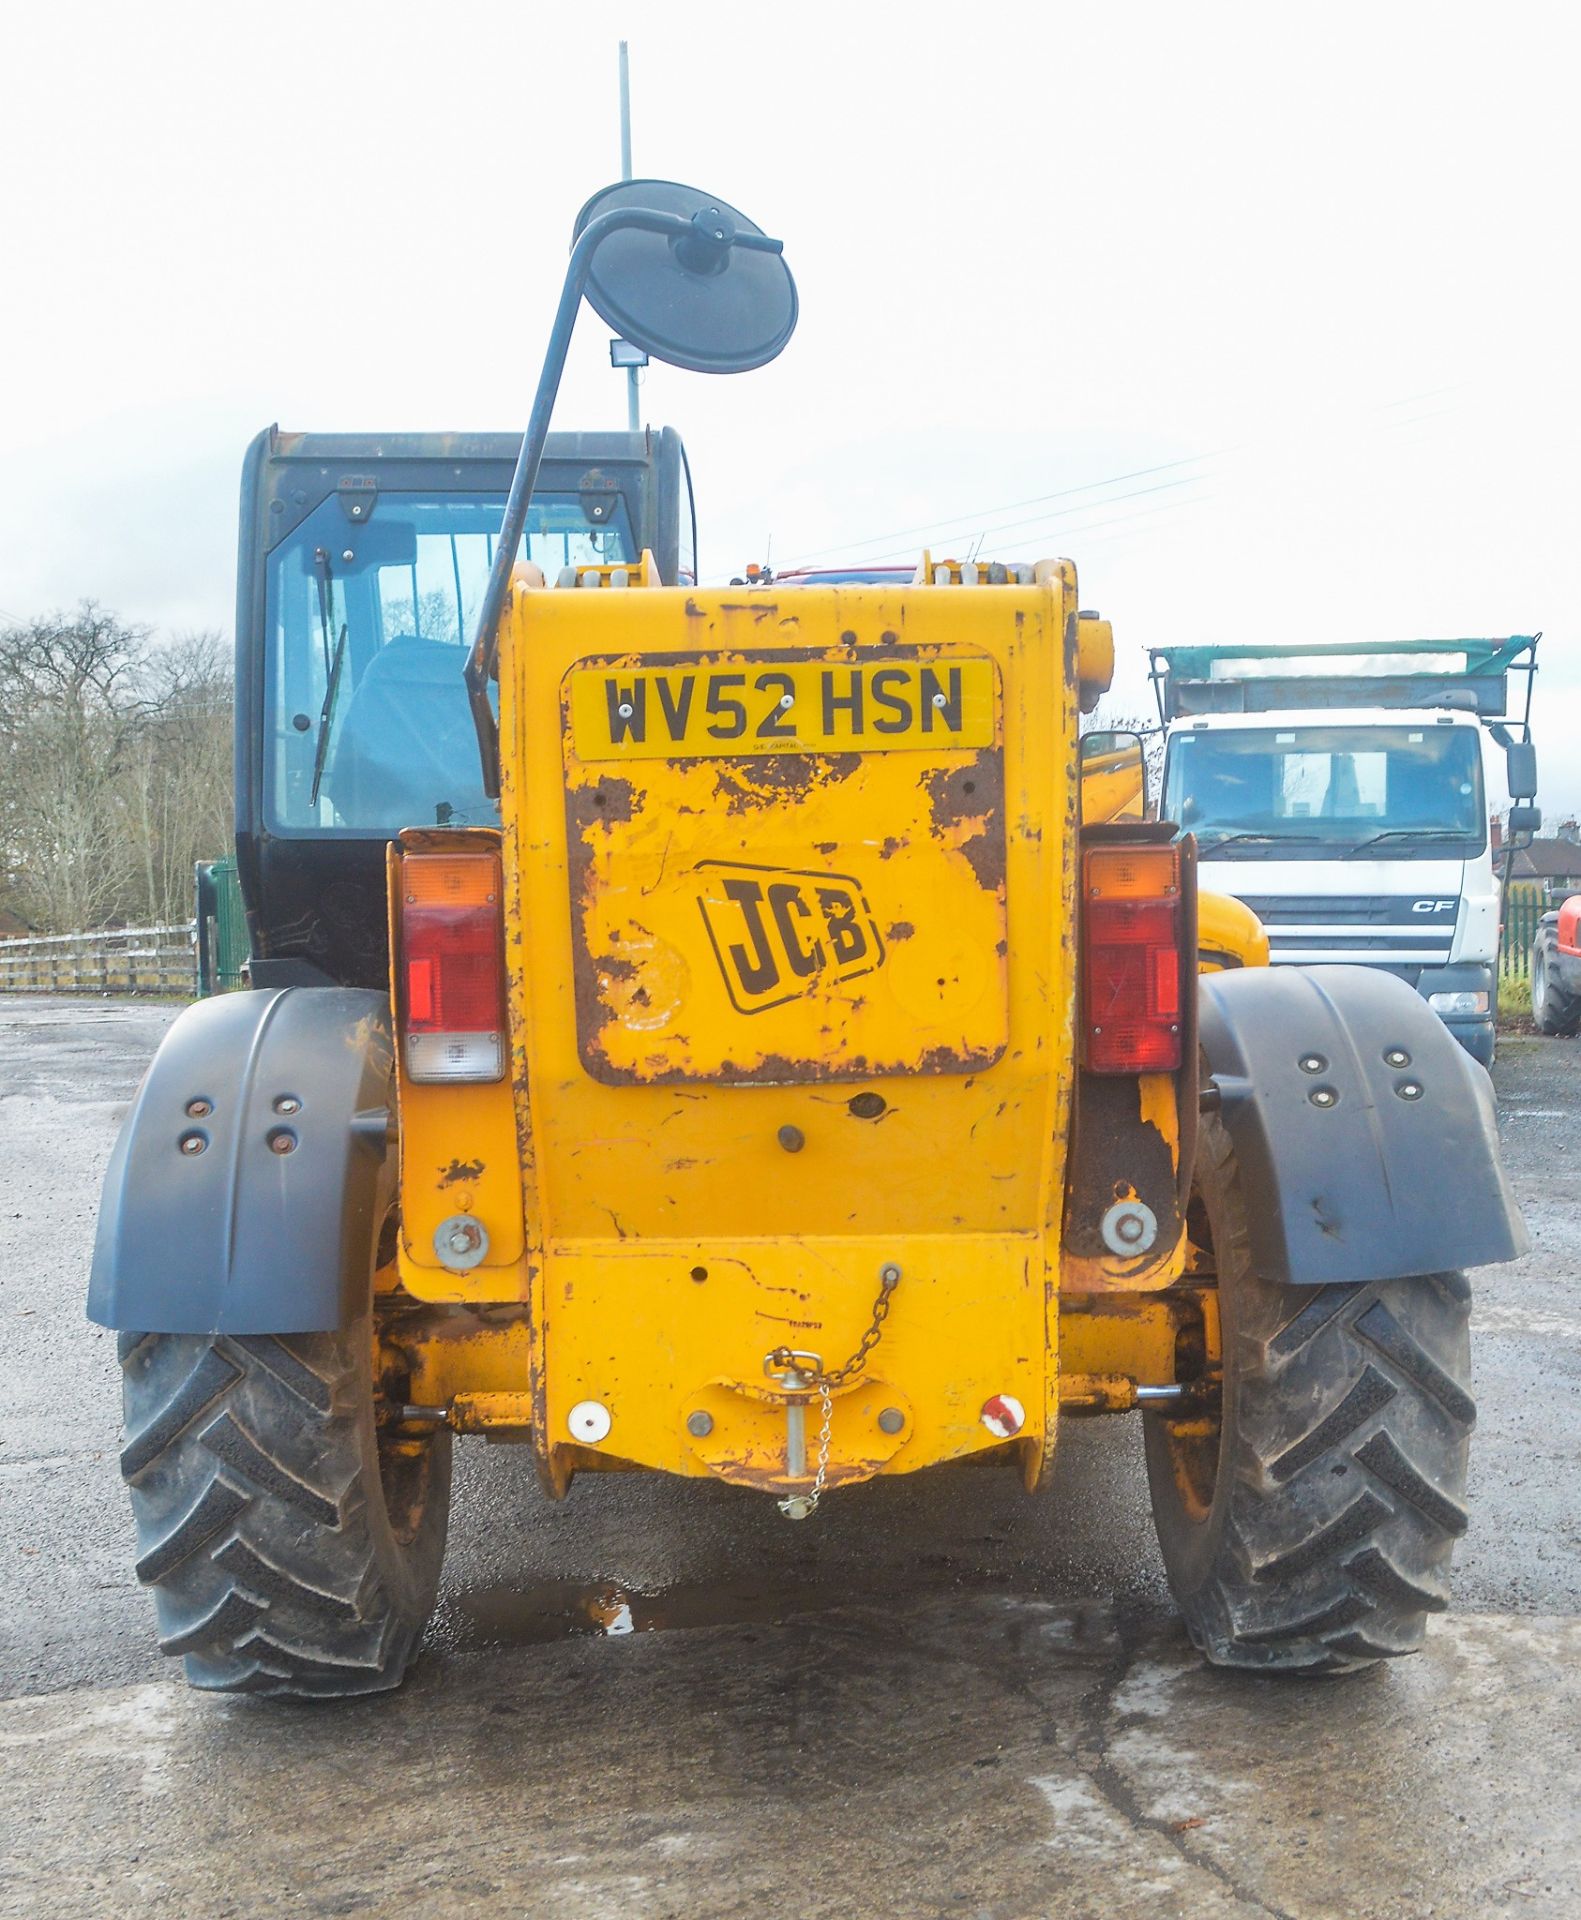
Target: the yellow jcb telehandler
pixel 714 1034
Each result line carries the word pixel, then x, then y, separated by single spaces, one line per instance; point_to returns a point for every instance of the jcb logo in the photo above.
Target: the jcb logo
pixel 1433 906
pixel 778 934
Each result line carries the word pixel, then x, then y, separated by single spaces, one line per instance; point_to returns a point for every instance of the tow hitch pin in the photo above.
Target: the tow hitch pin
pixel 795 1372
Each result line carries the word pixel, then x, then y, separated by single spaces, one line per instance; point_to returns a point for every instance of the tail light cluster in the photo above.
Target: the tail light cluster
pixel 452 967
pixel 1131 959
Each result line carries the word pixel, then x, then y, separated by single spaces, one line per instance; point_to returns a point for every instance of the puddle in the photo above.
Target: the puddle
pixel 489 1619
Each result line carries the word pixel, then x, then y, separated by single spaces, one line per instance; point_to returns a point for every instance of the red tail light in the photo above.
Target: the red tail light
pixel 452 967
pixel 1131 959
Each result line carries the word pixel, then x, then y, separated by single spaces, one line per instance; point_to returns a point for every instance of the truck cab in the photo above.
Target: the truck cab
pixel 1344 801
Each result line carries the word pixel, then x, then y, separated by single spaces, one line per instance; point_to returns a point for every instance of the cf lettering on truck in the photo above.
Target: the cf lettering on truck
pixel 1339 792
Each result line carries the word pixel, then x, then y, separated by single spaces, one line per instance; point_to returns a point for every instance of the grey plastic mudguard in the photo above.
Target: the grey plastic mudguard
pixel 239 1237
pixel 1379 1182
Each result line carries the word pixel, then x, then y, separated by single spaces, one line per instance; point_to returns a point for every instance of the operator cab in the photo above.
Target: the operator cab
pixel 364 560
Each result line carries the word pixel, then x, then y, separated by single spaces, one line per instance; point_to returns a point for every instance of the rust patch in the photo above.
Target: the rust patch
pixel 612 800
pixel 460 1170
pixel 749 783
pixel 779 776
pixel 1115 1154
pixel 973 796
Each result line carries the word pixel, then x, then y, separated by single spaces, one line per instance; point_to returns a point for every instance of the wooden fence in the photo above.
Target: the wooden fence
pixel 161 960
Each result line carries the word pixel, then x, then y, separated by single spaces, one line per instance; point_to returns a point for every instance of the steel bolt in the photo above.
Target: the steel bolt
pixel 1129 1227
pixel 1409 1090
pixel 939 700
pixel 787 700
pixel 461 1242
pixel 792 1139
pixel 348 556
pixel 891 1420
pixel 1396 1057
pixel 1323 1096
pixel 282 1140
pixel 199 1109
pixel 1312 1063
pixel 288 1103
pixel 700 1424
pixel 889 1273
pixel 192 1143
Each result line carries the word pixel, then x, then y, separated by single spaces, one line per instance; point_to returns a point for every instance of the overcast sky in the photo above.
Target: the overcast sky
pixel 1266 315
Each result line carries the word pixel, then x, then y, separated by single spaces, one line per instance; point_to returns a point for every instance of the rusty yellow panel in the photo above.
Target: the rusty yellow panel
pixel 660 1333
pixel 682 1152
pixel 735 920
pixel 908 1101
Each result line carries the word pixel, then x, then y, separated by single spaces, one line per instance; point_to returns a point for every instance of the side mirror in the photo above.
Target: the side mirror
pixel 1520 760
pixel 680 276
pixel 703 292
pixel 1113 777
pixel 1523 824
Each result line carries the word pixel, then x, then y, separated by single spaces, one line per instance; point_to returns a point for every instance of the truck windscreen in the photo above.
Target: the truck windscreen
pixel 367 726
pixel 1320 792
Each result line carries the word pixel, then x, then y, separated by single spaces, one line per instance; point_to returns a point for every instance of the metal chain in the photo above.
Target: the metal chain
pixel 802 1506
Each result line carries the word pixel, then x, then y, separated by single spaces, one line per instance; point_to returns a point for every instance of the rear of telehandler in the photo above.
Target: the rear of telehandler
pixel 794 1087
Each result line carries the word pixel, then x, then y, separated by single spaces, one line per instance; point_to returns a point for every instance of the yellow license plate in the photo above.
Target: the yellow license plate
pixel 709 708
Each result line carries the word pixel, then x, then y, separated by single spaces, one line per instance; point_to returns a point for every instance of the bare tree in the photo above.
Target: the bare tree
pixel 114 769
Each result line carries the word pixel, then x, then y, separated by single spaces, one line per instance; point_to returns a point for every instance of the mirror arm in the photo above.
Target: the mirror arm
pixel 483 658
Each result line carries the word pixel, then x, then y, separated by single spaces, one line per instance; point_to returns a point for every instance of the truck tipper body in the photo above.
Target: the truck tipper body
pixel 1340 793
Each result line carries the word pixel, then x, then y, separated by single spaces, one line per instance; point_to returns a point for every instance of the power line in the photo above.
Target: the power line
pixel 1038 499
pixel 965 526
pixel 1041 525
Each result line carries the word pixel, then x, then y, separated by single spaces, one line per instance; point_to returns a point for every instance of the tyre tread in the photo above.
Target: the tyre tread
pixel 1341 1486
pixel 247 1465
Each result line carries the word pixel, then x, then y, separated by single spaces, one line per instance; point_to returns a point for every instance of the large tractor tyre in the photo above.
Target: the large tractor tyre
pixel 1307 1525
pixel 1554 1010
pixel 292 1544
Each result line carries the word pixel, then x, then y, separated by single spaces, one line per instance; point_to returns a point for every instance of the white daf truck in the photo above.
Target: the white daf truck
pixel 1339 792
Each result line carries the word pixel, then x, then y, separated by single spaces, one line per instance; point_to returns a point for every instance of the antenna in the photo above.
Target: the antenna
pixel 633 401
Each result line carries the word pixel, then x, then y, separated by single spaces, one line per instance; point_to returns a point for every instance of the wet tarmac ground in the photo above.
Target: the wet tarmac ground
pixel 939 1697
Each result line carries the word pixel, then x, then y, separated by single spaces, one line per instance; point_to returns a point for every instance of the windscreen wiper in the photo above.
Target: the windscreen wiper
pixel 1262 839
pixel 333 663
pixel 1407 833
